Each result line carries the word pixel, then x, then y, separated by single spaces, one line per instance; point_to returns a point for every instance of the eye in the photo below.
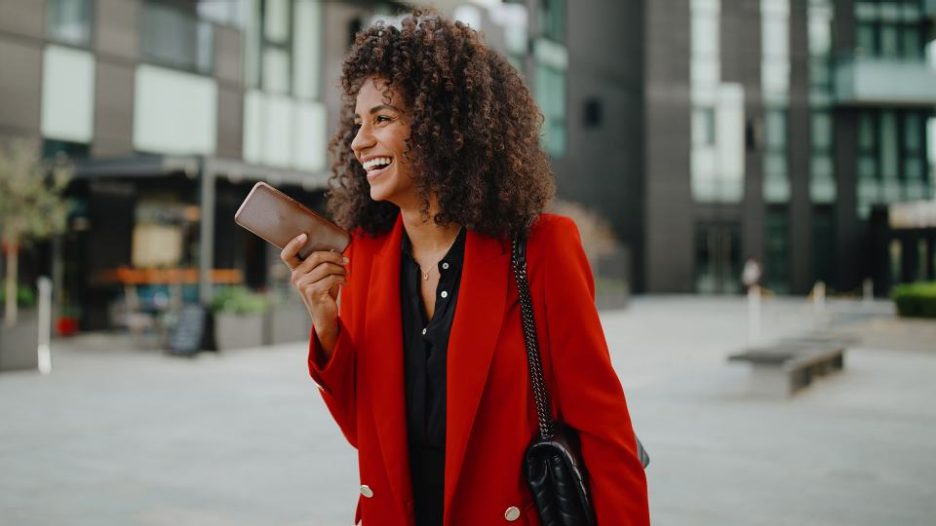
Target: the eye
pixel 383 118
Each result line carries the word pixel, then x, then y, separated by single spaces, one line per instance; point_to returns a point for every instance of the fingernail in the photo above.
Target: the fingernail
pixel 303 236
pixel 346 260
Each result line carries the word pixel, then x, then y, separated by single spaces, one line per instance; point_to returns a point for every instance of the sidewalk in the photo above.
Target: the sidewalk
pixel 117 436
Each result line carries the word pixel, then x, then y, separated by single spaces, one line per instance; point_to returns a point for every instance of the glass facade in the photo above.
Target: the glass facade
pixel 176 38
pixel 284 47
pixel 718 258
pixel 551 95
pixel 284 118
pixel 892 29
pixel 892 157
pixel 777 249
pixel 775 86
pixel 550 75
pixel 69 21
pixel 822 180
pixel 717 120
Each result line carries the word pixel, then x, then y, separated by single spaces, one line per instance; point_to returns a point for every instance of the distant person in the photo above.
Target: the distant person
pixel 751 274
pixel 438 166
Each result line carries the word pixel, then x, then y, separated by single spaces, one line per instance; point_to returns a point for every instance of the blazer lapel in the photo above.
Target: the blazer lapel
pixel 384 362
pixel 478 316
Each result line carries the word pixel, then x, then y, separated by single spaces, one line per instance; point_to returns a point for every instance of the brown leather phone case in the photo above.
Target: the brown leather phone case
pixel 278 219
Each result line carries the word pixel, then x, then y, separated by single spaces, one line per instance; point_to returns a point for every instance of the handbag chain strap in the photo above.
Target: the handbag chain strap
pixel 540 393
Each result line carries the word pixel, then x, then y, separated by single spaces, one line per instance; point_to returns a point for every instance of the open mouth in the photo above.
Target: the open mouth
pixel 376 166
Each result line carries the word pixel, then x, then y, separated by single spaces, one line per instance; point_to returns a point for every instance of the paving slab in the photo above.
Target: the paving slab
pixel 122 436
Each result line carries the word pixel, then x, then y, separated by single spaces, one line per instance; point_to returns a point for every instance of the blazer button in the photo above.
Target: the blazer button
pixel 512 513
pixel 366 491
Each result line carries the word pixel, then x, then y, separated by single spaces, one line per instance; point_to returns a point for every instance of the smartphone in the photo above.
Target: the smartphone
pixel 278 219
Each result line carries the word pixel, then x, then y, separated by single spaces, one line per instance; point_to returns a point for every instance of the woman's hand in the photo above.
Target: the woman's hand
pixel 318 279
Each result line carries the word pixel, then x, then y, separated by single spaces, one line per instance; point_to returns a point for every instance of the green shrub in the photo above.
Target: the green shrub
pixel 239 300
pixel 25 296
pixel 915 300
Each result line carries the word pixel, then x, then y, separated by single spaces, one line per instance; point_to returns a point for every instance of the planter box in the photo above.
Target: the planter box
pixel 18 343
pixel 288 323
pixel 238 331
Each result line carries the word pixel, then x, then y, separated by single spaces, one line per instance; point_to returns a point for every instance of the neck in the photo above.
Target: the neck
pixel 425 235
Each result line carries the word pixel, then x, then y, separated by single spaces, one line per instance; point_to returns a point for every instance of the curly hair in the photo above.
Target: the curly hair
pixel 474 135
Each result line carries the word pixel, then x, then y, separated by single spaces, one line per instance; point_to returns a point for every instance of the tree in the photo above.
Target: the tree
pixel 31 206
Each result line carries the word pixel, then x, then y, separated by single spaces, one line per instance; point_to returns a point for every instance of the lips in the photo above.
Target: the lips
pixel 376 166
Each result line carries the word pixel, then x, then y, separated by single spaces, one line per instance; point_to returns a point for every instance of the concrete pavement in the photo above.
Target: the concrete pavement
pixel 117 436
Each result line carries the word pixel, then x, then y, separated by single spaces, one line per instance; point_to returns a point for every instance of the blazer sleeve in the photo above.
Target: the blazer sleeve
pixel 336 377
pixel 589 395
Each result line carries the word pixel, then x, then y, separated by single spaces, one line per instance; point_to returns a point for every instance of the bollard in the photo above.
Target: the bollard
pixel 868 291
pixel 819 297
pixel 44 349
pixel 754 313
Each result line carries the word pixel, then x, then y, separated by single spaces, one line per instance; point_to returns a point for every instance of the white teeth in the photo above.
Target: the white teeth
pixel 376 162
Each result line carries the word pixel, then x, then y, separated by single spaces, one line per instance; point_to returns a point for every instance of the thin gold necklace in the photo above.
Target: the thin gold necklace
pixel 424 273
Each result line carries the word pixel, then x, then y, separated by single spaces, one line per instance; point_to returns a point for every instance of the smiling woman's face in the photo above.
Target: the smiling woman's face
pixel 382 131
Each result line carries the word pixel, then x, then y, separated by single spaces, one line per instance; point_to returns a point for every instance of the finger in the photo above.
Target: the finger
pixel 321 271
pixel 316 258
pixel 290 253
pixel 319 290
pixel 305 281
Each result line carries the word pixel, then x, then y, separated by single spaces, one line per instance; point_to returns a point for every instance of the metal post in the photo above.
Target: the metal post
pixel 754 314
pixel 44 350
pixel 819 301
pixel 206 232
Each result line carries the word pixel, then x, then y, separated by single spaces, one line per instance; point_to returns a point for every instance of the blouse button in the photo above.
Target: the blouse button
pixel 445 266
pixel 512 514
pixel 424 332
pixel 444 294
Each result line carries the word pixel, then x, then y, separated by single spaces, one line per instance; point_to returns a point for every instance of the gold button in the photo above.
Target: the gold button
pixel 512 513
pixel 366 491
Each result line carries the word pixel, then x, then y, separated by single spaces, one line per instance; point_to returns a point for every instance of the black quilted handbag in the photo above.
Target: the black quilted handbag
pixel 553 462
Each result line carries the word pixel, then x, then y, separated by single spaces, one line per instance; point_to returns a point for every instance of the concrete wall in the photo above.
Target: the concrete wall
pixel 668 248
pixel 21 29
pixel 602 166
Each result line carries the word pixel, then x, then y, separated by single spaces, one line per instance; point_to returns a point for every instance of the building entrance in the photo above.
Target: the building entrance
pixel 718 258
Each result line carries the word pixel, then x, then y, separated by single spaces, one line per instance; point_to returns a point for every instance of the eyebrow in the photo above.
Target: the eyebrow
pixel 375 109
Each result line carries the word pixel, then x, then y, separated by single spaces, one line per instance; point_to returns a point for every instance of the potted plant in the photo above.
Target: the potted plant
pixel 67 322
pixel 239 316
pixel 31 208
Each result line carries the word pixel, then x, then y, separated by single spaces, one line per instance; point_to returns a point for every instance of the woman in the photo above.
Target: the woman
pixel 437 167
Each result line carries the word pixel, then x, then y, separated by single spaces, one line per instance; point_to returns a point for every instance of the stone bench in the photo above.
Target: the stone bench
pixel 787 367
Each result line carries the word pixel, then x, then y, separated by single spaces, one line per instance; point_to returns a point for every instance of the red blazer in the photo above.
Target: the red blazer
pixel 491 414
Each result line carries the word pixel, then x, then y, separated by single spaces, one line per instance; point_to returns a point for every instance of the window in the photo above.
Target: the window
pixel 823 242
pixel 550 95
pixel 284 47
pixel 553 19
pixel 892 158
pixel 776 171
pixel 176 38
pixel 822 185
pixel 703 126
pixel 890 29
pixel 705 67
pixel 822 130
pixel 69 21
pixel 51 148
pixel 777 250
pixel 775 48
pixel 775 128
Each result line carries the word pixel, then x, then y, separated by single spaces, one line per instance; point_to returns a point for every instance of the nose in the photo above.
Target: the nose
pixel 362 140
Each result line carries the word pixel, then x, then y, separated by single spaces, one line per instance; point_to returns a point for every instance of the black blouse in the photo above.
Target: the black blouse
pixel 424 348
